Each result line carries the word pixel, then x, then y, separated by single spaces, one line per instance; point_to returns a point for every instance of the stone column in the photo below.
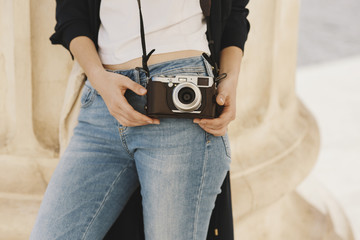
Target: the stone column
pixel 33 77
pixel 274 140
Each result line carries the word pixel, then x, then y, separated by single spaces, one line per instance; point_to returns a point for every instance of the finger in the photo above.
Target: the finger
pixel 215 127
pixel 132 119
pixel 217 132
pixel 122 109
pixel 133 86
pixel 139 117
pixel 216 123
pixel 126 122
pixel 224 117
pixel 220 99
pixel 196 120
pixel 132 115
pixel 123 121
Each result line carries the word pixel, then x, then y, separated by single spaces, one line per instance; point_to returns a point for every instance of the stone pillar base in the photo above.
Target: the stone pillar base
pixel 309 213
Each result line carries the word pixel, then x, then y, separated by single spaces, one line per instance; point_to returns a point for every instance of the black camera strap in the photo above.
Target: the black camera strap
pixel 205 6
pixel 145 56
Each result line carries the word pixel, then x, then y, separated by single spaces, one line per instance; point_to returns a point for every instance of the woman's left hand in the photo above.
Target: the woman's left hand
pixel 226 97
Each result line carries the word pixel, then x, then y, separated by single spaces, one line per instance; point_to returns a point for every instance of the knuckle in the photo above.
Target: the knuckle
pixel 223 124
pixel 222 127
pixel 112 113
pixel 125 123
pixel 220 132
pixel 205 128
pixel 220 124
pixel 133 116
pixel 138 87
pixel 125 82
pixel 134 85
pixel 216 124
pixel 112 105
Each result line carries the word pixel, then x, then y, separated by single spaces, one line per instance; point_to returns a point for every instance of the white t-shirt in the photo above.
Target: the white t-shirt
pixel 169 26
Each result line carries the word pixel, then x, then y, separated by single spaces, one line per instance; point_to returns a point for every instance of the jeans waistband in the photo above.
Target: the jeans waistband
pixel 189 64
pixel 195 62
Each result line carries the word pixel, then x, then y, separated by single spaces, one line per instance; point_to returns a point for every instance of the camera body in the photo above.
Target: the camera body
pixel 181 96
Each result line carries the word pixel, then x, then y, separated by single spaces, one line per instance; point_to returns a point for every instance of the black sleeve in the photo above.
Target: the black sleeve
pixel 72 20
pixel 237 25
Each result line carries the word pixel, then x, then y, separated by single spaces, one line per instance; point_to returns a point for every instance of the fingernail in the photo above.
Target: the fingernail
pixel 142 90
pixel 151 122
pixel 221 100
pixel 196 120
pixel 156 122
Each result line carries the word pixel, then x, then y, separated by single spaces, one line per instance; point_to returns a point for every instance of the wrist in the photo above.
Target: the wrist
pixel 96 72
pixel 230 76
pixel 97 78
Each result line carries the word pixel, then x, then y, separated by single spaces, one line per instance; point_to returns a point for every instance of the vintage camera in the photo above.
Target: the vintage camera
pixel 181 96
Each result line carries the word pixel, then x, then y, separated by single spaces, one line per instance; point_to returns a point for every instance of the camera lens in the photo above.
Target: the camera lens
pixel 186 95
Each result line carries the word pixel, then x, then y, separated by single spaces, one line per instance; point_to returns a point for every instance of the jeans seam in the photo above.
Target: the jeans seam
pixel 197 208
pixel 104 200
pixel 123 141
pixel 227 146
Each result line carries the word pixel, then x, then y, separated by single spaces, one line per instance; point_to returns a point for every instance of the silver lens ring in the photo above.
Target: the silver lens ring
pixel 195 104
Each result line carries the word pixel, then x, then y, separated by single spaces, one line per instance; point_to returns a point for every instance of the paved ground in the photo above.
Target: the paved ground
pixel 328 81
pixel 336 106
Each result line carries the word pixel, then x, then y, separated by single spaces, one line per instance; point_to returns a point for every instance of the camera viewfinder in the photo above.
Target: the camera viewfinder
pixel 203 81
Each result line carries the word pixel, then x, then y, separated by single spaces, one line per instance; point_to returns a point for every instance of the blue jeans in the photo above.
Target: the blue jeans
pixel 178 165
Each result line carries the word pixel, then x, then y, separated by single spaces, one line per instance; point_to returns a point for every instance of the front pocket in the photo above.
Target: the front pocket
pixel 87 96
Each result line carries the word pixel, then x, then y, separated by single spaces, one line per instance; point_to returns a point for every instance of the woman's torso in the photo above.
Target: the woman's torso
pixel 176 29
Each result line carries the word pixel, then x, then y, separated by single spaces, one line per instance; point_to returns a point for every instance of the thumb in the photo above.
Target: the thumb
pixel 135 87
pixel 220 98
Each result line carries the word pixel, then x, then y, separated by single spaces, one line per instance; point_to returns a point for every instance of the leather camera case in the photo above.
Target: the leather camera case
pixel 160 103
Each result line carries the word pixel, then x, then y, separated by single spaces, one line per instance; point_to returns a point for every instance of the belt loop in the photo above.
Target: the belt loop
pixel 137 76
pixel 208 66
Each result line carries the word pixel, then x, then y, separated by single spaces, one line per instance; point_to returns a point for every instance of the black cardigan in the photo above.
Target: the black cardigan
pixel 228 23
pixel 228 27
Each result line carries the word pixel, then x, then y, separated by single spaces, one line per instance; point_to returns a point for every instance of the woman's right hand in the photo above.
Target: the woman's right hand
pixel 112 87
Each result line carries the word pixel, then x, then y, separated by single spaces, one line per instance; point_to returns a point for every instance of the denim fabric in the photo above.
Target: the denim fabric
pixel 178 165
